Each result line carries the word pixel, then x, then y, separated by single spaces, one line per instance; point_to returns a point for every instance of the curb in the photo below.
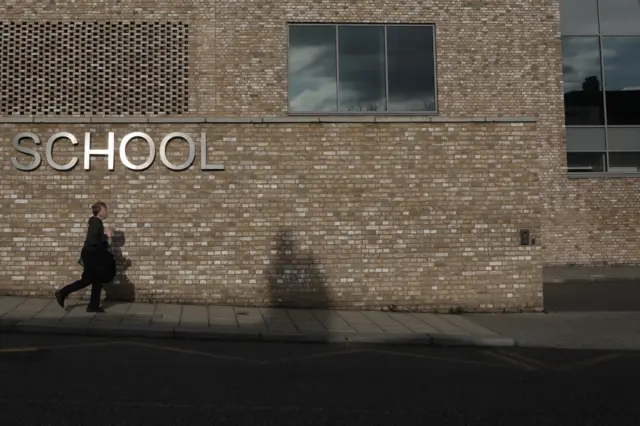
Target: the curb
pixel 234 334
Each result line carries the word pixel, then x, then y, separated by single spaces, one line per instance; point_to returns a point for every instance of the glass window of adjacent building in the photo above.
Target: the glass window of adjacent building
pixel 601 75
pixel 365 69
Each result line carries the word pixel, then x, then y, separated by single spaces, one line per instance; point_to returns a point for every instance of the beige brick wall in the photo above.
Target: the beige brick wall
pixel 593 222
pixel 421 215
pixel 493 57
pixel 420 223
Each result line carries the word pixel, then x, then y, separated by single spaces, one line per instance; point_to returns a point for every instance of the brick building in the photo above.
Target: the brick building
pixel 305 153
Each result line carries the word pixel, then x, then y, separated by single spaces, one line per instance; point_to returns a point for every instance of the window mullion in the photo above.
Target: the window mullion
pixel 386 71
pixel 604 90
pixel 604 103
pixel 337 72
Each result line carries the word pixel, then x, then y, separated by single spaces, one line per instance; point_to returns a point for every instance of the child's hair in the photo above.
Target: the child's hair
pixel 95 209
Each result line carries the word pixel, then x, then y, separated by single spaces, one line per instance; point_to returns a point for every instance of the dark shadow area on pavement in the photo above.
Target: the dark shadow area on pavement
pixel 296 282
pixel 298 293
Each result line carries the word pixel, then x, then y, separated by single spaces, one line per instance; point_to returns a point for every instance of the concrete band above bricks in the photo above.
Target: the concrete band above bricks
pixel 260 120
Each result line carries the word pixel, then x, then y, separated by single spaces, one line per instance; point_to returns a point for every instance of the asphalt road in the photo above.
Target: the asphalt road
pixel 65 380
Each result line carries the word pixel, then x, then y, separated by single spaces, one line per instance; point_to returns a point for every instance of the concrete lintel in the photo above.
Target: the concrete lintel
pixel 176 120
pixel 232 120
pixel 119 120
pixel 457 120
pixel 299 119
pixel 267 120
pixel 403 119
pixel 62 120
pixel 346 119
pixel 15 120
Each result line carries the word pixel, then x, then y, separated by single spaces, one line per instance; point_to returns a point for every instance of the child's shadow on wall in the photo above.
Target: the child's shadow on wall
pixel 121 289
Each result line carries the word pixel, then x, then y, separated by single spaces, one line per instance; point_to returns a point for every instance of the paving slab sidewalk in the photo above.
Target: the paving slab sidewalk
pixel 37 315
pixel 567 330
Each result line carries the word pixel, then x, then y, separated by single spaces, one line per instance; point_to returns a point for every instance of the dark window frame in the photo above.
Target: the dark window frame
pixel 434 112
pixel 600 35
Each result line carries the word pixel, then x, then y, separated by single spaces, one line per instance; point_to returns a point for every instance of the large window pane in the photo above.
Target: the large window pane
pixel 620 17
pixel 585 162
pixel 624 139
pixel 312 68
pixel 582 81
pixel 410 63
pixel 602 81
pixel 622 79
pixel 362 81
pixel 624 162
pixel 585 139
pixel 579 17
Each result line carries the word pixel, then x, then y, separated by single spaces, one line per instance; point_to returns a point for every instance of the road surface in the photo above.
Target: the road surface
pixel 67 380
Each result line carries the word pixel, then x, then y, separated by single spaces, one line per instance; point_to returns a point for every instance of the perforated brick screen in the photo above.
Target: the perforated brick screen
pixel 94 68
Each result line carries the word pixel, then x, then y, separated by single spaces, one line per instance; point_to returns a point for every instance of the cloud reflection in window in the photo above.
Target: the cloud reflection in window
pixel 353 77
pixel 312 68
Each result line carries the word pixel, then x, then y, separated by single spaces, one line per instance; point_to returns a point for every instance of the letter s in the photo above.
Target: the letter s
pixel 37 159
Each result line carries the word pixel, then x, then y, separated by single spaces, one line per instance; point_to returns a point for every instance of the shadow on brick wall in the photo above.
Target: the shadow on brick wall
pixel 121 289
pixel 295 278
